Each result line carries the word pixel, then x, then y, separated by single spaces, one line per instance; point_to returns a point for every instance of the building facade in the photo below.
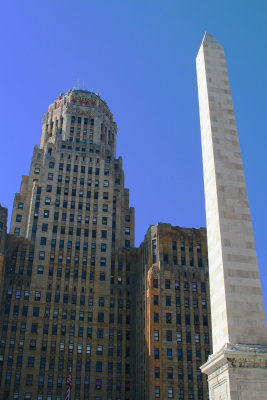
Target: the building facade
pixel 77 297
pixel 68 266
pixel 173 329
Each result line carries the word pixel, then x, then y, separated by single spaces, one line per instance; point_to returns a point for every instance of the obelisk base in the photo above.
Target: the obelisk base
pixel 237 372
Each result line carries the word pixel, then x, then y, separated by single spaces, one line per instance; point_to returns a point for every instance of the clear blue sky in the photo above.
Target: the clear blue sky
pixel 140 55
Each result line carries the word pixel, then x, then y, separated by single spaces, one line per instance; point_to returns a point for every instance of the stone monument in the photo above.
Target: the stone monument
pixel 237 369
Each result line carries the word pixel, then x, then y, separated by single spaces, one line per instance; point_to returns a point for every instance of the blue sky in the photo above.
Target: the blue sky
pixel 140 56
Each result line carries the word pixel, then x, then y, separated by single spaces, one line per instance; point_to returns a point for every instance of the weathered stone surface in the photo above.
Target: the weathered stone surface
pixel 236 372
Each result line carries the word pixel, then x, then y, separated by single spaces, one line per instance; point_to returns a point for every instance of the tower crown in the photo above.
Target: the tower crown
pixel 80 116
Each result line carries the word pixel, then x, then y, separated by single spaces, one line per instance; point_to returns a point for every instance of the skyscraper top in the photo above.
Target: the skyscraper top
pixel 209 40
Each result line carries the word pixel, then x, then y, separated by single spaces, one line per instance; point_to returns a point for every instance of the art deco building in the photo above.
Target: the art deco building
pixel 77 296
pixel 67 265
pixel 173 328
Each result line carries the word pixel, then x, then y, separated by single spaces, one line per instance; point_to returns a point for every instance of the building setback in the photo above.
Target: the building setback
pixel 76 295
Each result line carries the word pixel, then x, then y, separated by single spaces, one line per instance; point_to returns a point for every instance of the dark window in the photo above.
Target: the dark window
pixel 168 318
pixel 156 317
pixel 156 354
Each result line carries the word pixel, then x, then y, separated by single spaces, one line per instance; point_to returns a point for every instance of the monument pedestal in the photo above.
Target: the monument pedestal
pixel 237 372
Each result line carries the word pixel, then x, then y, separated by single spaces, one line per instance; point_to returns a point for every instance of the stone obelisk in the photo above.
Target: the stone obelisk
pixel 237 369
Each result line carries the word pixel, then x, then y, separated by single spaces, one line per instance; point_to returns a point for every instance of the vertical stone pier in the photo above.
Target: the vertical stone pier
pixel 238 367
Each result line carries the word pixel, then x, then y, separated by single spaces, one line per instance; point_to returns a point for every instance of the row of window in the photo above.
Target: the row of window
pixel 99 364
pixel 181 393
pixel 179 337
pixel 87 349
pixel 34 329
pixel 81 193
pixel 182 246
pixel 178 302
pixel 170 374
pixel 79 120
pixel 51 383
pixel 183 260
pixel 169 354
pixel 177 285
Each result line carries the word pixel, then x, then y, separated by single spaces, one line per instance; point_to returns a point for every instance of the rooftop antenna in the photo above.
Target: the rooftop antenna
pixel 78 84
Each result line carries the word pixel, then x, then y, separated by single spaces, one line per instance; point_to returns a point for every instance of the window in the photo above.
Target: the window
pixel 29 379
pixel 197 338
pixel 156 300
pixel 204 304
pixel 179 336
pixel 98 366
pixel 101 301
pixel 18 217
pixel 103 247
pixel 43 241
pixel 155 283
pixel 98 384
pixel 170 373
pixel 156 354
pixel 168 300
pixel 168 318
pixel 167 284
pixel 199 375
pixel 103 261
pixel 156 335
pixel 157 391
pixel 35 312
pixel 20 206
pixel 157 372
pixel 169 336
pixel 31 362
pixel 169 354
pixel 100 317
pixel 156 317
pixel 37 296
pixel 100 333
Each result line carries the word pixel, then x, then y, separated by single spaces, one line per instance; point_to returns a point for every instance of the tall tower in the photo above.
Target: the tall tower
pixel 238 321
pixel 73 221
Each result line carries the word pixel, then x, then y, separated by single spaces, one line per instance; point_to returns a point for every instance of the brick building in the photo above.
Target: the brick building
pixel 76 295
pixel 173 329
